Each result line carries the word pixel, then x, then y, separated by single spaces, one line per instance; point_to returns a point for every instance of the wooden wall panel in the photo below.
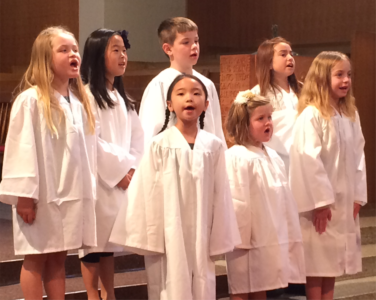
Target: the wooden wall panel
pixel 241 25
pixel 21 21
pixel 363 57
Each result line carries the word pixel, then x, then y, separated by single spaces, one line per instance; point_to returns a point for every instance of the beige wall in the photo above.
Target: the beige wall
pixel 91 17
pixel 141 19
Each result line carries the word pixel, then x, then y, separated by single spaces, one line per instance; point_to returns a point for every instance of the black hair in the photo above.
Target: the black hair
pixel 93 69
pixel 169 93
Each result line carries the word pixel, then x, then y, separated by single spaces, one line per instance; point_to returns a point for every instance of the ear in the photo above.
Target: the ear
pixel 169 106
pixel 206 105
pixel 167 49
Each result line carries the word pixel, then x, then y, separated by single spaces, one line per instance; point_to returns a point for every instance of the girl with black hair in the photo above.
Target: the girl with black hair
pixel 120 148
pixel 180 213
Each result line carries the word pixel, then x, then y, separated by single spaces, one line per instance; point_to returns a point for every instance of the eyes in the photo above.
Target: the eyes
pixel 262 118
pixel 195 94
pixel 342 74
pixel 65 50
pixel 187 42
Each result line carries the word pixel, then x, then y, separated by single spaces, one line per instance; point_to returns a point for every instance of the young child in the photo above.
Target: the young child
pixel 49 164
pixel 179 212
pixel 271 254
pixel 120 148
pixel 328 175
pixel 275 73
pixel 179 40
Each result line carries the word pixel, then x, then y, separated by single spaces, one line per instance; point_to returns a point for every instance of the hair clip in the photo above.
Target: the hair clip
pixel 244 96
pixel 124 35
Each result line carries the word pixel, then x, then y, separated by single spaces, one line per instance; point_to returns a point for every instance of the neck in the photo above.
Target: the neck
pixel 181 69
pixel 110 82
pixel 282 82
pixel 188 130
pixel 60 86
pixel 335 103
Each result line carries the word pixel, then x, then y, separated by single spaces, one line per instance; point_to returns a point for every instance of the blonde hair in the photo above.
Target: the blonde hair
pixel 40 74
pixel 168 29
pixel 317 87
pixel 239 115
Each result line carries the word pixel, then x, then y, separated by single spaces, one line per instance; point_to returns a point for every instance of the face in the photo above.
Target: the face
pixel 261 125
pixel 283 62
pixel 188 100
pixel 341 79
pixel 185 50
pixel 66 59
pixel 115 57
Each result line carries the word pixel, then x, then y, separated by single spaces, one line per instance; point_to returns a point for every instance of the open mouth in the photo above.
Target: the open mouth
pixel 194 55
pixel 267 130
pixel 122 64
pixel 189 108
pixel 343 88
pixel 74 64
pixel 290 65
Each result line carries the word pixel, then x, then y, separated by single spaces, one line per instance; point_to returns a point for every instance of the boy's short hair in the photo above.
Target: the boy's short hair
pixel 168 29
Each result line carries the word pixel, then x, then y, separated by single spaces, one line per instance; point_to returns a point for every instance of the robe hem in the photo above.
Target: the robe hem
pixel 26 252
pixel 315 206
pixel 5 194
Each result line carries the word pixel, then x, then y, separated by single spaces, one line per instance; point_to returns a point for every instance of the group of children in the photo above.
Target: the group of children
pixel 83 171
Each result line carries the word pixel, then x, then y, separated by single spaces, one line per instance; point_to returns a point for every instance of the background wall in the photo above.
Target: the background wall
pixel 141 19
pixel 21 21
pixel 241 25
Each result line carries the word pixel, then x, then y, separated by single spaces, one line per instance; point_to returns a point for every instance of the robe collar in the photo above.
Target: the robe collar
pixel 175 139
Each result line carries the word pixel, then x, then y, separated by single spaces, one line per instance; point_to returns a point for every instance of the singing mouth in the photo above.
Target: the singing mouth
pixel 267 130
pixel 74 64
pixel 189 108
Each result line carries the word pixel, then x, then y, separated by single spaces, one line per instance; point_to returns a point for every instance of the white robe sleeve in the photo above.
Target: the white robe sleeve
pixel 237 170
pixel 137 138
pixel 144 226
pixel 114 162
pixel 360 176
pixel 217 116
pixel 225 233
pixel 152 110
pixel 309 180
pixel 20 168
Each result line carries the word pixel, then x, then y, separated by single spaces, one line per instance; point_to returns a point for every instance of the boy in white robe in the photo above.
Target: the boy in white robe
pixel 271 253
pixel 328 174
pixel 180 214
pixel 179 39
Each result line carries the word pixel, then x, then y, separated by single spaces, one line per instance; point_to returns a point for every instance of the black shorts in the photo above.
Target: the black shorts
pixel 95 257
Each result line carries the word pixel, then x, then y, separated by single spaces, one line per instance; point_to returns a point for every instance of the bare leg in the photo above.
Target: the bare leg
pixel 238 296
pixel 54 276
pixel 106 273
pixel 314 288
pixel 90 275
pixel 327 292
pixel 258 295
pixel 31 276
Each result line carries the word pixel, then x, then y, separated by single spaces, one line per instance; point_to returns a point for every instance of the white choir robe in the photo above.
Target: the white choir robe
pixel 284 116
pixel 180 215
pixel 328 169
pixel 153 106
pixel 271 254
pixel 120 147
pixel 57 172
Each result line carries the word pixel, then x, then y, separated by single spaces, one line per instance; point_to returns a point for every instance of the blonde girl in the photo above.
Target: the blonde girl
pixel 271 253
pixel 328 176
pixel 49 159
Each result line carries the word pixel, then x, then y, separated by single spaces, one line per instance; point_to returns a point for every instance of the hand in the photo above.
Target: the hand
pixel 26 209
pixel 357 207
pixel 320 218
pixel 124 183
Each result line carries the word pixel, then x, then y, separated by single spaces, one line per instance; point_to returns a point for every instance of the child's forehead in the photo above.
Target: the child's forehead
pixel 186 34
pixel 63 38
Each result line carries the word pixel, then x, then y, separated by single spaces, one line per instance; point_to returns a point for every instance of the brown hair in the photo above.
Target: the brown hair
pixel 238 117
pixel 317 87
pixel 168 29
pixel 40 74
pixel 265 76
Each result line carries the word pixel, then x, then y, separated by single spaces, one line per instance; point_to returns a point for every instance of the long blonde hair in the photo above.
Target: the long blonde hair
pixel 40 74
pixel 317 87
